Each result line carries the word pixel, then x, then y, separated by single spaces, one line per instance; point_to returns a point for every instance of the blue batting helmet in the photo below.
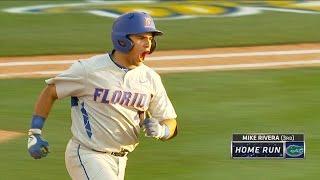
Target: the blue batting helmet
pixel 132 23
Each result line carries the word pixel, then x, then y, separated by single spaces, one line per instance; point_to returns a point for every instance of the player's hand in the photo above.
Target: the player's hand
pixel 153 128
pixel 37 146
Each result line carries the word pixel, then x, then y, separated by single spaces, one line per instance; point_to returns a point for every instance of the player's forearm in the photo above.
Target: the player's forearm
pixel 172 125
pixel 45 101
pixel 37 146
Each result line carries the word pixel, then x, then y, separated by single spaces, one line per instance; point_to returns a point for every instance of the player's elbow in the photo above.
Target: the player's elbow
pixel 51 92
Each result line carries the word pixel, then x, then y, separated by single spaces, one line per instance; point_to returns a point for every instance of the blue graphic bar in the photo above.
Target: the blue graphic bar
pixel 86 120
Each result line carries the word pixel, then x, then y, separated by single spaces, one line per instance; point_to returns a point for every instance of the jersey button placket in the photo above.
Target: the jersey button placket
pixel 125 78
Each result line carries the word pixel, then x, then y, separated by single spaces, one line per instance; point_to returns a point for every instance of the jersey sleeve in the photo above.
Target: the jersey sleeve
pixel 71 82
pixel 161 107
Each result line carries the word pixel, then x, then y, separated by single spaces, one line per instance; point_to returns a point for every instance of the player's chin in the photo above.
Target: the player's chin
pixel 143 55
pixel 141 58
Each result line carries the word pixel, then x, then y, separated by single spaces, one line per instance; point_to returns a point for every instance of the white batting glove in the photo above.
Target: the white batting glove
pixel 153 128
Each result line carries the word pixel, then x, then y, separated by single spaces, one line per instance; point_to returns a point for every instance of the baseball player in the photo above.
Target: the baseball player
pixel 113 97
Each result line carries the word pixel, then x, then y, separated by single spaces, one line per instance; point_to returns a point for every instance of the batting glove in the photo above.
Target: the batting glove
pixel 37 146
pixel 153 128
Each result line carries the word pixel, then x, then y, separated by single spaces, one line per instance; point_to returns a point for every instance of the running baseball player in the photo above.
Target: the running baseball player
pixel 111 97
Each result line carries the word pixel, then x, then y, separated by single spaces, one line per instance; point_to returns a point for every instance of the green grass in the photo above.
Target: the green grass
pixel 210 105
pixel 68 33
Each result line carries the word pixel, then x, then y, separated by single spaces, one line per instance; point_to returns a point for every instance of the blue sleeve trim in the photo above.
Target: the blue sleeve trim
pixel 78 151
pixel 74 101
pixel 37 122
pixel 86 120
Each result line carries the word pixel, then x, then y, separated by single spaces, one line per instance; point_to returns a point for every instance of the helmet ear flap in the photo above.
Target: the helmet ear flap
pixel 153 45
pixel 121 42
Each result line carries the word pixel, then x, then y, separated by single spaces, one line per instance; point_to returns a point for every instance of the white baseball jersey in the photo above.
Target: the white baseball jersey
pixel 105 102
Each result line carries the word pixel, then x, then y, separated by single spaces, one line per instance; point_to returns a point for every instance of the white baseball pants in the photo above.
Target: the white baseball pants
pixel 85 164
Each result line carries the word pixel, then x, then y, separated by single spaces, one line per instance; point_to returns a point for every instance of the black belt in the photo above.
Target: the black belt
pixel 119 154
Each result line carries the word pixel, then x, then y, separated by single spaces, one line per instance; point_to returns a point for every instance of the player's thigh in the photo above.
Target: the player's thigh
pixel 84 164
pixel 122 167
pixel 99 168
pixel 108 167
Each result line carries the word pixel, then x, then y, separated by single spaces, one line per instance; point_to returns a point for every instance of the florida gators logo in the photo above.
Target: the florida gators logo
pixel 295 150
pixel 148 22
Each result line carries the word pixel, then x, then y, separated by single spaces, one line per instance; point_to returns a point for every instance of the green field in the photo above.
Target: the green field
pixel 76 32
pixel 210 105
pixel 209 112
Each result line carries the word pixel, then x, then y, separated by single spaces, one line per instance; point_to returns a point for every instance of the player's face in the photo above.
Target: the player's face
pixel 142 45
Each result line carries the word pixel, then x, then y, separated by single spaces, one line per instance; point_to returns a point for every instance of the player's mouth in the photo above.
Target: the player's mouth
pixel 143 55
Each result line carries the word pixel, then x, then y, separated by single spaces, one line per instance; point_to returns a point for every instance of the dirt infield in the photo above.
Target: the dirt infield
pixel 8 135
pixel 279 56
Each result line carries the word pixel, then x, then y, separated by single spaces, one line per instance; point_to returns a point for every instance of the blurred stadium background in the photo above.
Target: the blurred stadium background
pixel 210 105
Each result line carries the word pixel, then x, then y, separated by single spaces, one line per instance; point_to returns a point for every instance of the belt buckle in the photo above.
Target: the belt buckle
pixel 119 154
